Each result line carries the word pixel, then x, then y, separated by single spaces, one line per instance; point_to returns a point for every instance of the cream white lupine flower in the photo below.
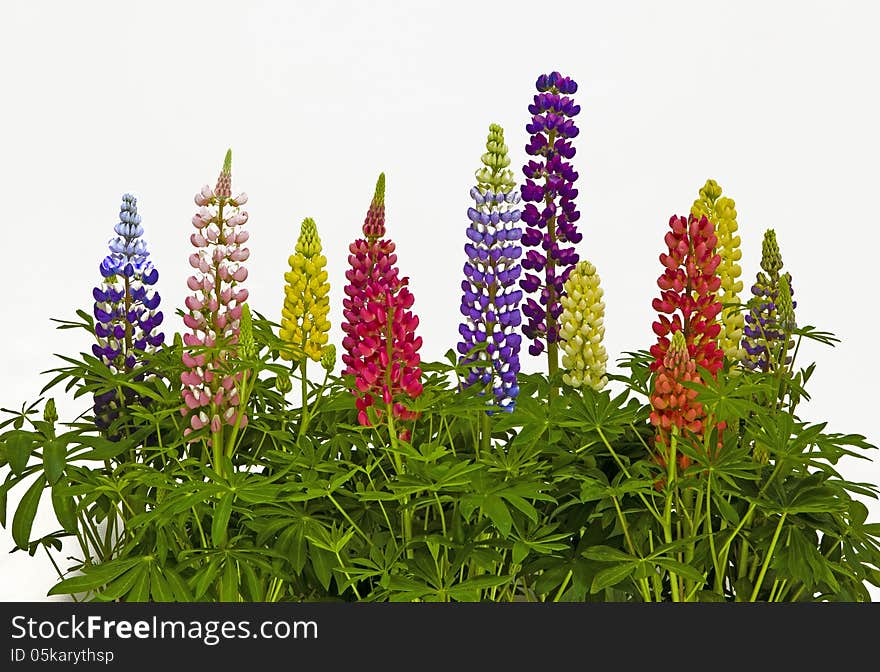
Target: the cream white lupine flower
pixel 582 329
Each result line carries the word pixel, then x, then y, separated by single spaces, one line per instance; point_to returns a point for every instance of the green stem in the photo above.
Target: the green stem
pixel 766 563
pixel 719 575
pixel 643 583
pixel 304 421
pixel 648 505
pixel 485 435
pixel 667 510
pixel 563 586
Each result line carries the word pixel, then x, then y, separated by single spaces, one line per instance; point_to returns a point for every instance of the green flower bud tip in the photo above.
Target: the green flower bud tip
pixel 282 383
pixel 678 345
pixel 710 191
pixel 784 304
pixel 308 244
pixel 494 176
pixel 246 334
pixel 227 162
pixel 50 414
pixel 379 195
pixel 771 259
pixel 328 357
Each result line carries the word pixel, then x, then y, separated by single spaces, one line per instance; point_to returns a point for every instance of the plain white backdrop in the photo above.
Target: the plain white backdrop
pixel 777 101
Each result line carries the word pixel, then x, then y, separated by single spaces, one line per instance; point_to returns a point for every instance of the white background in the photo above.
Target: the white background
pixel 777 101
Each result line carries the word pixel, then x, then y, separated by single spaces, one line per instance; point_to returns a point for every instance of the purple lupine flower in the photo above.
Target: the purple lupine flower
pixel 126 308
pixel 765 329
pixel 550 212
pixel 490 301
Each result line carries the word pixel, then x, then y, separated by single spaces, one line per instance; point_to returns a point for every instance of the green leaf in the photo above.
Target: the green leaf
pixel 65 508
pixel 725 509
pixel 94 576
pixel 19 446
pixel 23 520
pixel 54 459
pixel 229 583
pixel 182 592
pixel 140 592
pixel 520 551
pixel 160 588
pixel 123 585
pixel 494 507
pixel 463 590
pixel 221 519
pixel 684 571
pixel 323 563
pixel 612 576
pixel 607 554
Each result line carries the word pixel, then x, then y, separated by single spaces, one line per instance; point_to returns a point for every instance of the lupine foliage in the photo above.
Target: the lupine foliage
pixel 697 480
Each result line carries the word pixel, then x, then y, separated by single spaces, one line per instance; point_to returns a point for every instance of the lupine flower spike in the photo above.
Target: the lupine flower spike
pixel 126 309
pixel 550 212
pixel 721 212
pixel 688 307
pixel 304 324
pixel 765 334
pixel 582 329
pixel 381 348
pixel 673 404
pixel 211 392
pixel 490 301
pixel 689 286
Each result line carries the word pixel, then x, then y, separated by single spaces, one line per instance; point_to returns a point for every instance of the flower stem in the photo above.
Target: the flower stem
pixel 766 563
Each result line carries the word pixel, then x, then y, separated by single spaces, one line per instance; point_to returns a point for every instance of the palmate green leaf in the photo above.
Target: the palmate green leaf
pixel 124 584
pixel 205 576
pixel 725 508
pixel 161 589
pixel 466 589
pixel 65 507
pixel 54 459
pixel 607 554
pixel 685 571
pixel 220 520
pixel 495 508
pixel 229 582
pixel 612 576
pixel 140 591
pixel 23 520
pixel 95 576
pixel 19 445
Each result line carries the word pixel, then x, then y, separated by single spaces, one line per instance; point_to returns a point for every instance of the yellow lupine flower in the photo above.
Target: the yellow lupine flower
pixel 304 324
pixel 721 211
pixel 582 329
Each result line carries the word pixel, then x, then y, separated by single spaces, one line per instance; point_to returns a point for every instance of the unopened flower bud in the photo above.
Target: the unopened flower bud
pixel 328 357
pixel 50 414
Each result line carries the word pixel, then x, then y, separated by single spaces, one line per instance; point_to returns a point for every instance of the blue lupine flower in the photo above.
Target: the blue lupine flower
pixel 126 308
pixel 490 301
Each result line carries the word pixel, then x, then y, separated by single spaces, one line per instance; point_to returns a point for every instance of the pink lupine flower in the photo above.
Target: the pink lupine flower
pixel 210 392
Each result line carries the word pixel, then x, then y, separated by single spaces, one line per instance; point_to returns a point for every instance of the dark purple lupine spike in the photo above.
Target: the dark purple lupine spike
pixel 550 211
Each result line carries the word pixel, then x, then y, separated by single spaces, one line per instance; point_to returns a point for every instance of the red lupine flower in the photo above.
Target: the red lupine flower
pixel 689 296
pixel 689 336
pixel 381 348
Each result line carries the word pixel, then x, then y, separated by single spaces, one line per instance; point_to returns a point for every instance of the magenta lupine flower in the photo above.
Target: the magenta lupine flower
pixel 210 392
pixel 550 212
pixel 381 348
